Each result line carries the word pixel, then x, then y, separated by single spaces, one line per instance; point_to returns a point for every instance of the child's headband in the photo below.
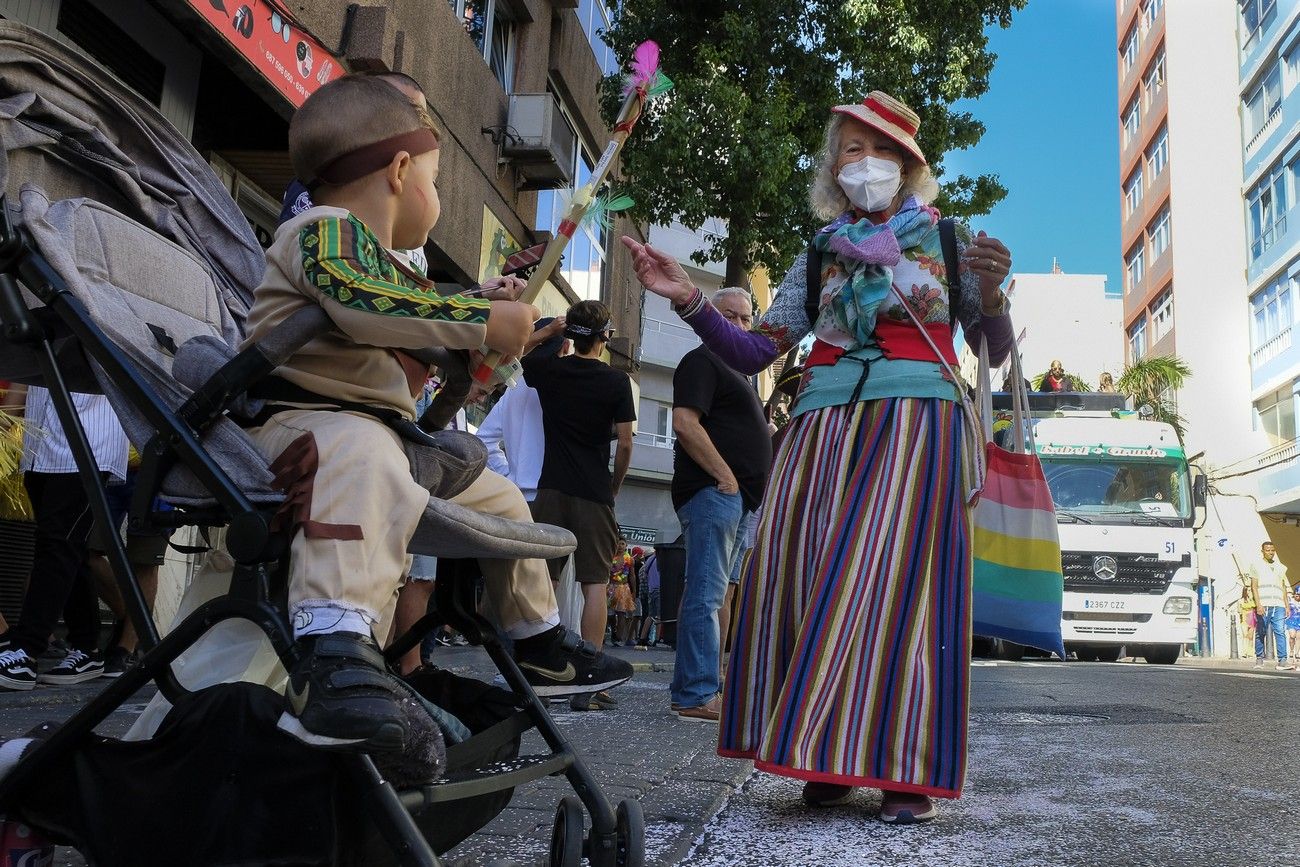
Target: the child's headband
pixel 360 162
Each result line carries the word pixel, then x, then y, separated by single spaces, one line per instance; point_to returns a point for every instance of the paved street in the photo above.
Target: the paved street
pixel 1070 763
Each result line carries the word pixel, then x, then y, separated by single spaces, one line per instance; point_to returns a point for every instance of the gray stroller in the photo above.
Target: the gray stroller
pixel 127 270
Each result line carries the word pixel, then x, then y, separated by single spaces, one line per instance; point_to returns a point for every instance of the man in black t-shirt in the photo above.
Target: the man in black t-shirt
pixel 585 403
pixel 720 466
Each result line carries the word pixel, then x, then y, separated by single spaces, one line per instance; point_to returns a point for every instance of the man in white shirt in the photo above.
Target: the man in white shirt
pixel 1271 590
pixel 60 581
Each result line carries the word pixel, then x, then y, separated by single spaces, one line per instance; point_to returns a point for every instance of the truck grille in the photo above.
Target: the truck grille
pixel 1134 573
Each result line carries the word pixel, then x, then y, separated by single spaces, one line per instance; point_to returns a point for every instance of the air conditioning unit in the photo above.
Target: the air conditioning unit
pixel 539 141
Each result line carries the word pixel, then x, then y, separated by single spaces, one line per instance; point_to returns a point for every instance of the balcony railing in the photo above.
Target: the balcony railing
pixel 659 441
pixel 1269 122
pixel 1278 456
pixel 1272 348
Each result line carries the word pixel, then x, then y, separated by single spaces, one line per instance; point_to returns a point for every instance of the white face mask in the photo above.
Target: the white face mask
pixel 871 183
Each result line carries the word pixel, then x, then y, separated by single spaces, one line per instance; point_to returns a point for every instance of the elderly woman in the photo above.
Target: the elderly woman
pixel 851 655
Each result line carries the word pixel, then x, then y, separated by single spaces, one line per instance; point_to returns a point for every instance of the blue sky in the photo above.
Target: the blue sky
pixel 1052 137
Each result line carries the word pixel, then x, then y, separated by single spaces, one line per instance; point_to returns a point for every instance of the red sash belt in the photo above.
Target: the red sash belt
pixel 902 340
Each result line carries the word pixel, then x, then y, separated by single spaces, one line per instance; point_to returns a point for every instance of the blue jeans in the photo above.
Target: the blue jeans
pixel 714 535
pixel 1274 618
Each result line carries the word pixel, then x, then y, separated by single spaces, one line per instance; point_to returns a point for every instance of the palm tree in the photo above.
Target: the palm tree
pixel 1149 380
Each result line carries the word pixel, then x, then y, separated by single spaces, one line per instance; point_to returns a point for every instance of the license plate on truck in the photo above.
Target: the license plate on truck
pixel 1105 604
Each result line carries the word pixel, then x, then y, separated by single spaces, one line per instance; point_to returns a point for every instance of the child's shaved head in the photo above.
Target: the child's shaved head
pixel 346 114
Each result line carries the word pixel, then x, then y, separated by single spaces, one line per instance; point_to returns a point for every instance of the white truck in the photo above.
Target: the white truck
pixel 1125 507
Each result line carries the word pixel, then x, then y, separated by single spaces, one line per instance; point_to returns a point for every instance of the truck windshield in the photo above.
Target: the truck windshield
pixel 1124 489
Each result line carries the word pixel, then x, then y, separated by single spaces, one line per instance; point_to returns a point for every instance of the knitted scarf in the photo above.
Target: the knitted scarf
pixel 868 252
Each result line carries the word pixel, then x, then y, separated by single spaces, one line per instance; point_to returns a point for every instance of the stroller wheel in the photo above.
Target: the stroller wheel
pixel 566 835
pixel 629 830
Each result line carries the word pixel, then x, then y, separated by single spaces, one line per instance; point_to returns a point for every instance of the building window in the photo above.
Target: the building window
pixel 595 18
pixel 1264 101
pixel 1256 15
pixel 1131 122
pixel 1134 268
pixel 1276 413
pixel 1137 339
pixel 1266 203
pixel 584 258
pixel 489 25
pixel 1271 311
pixel 1154 81
pixel 1133 192
pixel 1130 53
pixel 1162 315
pixel 1158 232
pixel 1150 11
pixel 1158 154
pixel 655 425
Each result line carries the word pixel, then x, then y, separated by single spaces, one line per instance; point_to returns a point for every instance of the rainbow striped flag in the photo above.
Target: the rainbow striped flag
pixel 1017 584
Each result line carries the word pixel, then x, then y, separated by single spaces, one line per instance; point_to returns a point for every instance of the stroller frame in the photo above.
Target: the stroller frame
pixel 616 838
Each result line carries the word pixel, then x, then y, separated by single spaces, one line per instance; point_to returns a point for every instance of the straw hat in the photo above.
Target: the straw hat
pixel 882 112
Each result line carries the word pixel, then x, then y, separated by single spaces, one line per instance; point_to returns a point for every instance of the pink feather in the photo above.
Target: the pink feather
pixel 645 63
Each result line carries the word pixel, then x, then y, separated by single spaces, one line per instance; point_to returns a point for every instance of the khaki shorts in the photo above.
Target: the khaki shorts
pixel 592 523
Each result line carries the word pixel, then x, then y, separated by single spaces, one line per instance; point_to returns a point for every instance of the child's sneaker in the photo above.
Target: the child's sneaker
pixel 17 670
pixel 559 662
pixel 341 697
pixel 77 667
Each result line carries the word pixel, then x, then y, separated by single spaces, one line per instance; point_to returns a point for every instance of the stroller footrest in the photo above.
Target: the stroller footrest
pixel 489 778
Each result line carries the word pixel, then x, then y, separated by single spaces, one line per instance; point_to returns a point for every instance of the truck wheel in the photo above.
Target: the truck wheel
pixel 1008 650
pixel 1163 654
pixel 1108 653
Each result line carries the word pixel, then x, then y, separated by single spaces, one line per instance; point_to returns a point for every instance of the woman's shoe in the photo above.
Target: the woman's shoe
pixel 826 794
pixel 904 808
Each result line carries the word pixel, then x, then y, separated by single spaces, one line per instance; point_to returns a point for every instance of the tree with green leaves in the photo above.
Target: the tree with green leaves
pixel 1150 381
pixel 737 137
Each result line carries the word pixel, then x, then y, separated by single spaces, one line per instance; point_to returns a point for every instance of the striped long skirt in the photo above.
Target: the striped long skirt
pixel 851 657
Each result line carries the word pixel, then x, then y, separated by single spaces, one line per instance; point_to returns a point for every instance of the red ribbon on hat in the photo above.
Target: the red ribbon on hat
pixel 897 120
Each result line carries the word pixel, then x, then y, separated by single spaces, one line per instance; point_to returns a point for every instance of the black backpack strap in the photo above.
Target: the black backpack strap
pixel 948 241
pixel 812 303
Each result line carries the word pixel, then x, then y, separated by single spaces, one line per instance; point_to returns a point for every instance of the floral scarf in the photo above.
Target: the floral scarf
pixel 868 253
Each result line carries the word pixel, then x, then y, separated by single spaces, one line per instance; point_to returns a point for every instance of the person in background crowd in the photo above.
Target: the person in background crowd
pixel 1246 610
pixel 60 579
pixel 1056 379
pixel 720 465
pixel 850 665
pixel 622 593
pixel 1271 590
pixel 512 431
pixel 648 582
pixel 1106 383
pixel 583 401
pixel 146 551
pixel 1293 623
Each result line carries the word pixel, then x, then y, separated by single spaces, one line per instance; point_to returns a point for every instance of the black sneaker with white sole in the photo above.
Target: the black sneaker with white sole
pixel 341 697
pixel 17 670
pixel 77 667
pixel 117 660
pixel 559 662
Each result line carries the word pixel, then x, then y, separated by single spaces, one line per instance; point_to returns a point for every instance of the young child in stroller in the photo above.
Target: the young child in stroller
pixel 369 156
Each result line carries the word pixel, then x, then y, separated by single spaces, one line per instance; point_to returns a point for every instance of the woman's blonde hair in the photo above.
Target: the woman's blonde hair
pixel 828 200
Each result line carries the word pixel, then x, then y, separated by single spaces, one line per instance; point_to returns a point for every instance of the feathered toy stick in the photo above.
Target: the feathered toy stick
pixel 646 80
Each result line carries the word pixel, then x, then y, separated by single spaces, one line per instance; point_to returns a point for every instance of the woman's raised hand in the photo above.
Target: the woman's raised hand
pixel 659 272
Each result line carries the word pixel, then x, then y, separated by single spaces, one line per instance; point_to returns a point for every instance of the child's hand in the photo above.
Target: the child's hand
pixel 502 288
pixel 510 324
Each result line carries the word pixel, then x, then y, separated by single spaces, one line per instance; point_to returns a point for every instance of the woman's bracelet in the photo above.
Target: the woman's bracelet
pixel 691 305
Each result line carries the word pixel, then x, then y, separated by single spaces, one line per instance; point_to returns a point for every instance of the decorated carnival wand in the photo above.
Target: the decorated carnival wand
pixel 645 81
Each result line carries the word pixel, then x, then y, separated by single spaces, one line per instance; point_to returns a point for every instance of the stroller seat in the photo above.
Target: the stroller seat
pixel 126 269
